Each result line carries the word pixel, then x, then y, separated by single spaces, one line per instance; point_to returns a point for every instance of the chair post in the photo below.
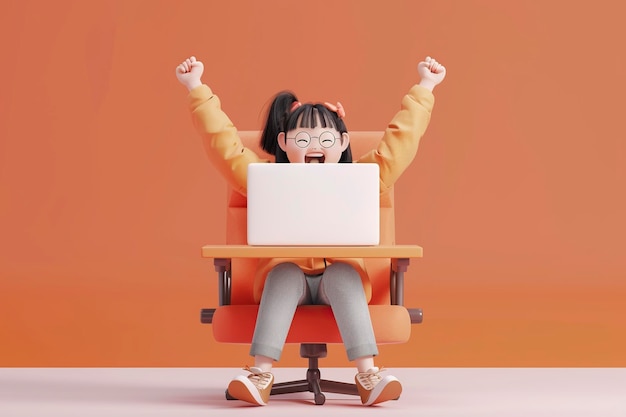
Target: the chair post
pixel 222 267
pixel 396 285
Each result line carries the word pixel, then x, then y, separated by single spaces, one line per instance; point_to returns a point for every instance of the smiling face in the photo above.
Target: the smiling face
pixel 313 145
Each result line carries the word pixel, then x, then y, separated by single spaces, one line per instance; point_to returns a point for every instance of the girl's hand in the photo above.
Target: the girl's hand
pixel 431 72
pixel 189 73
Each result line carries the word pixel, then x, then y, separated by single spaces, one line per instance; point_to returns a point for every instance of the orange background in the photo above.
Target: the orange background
pixel 516 195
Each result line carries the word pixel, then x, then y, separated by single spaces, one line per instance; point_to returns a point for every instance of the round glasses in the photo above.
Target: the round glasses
pixel 303 139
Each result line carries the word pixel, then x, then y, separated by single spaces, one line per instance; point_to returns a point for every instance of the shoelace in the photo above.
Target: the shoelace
pixel 260 380
pixel 370 379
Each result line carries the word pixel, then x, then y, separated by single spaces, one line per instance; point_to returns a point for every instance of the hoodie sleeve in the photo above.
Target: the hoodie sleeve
pixel 220 138
pixel 399 144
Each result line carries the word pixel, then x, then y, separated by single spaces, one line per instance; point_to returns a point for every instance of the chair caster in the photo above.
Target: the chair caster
pixel 320 399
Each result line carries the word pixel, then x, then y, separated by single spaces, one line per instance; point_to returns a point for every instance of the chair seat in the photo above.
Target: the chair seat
pixel 311 324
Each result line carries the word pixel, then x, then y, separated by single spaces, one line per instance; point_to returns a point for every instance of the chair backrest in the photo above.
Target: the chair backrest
pixel 361 142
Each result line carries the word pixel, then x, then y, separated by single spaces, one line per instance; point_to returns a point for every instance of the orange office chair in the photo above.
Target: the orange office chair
pixel 313 326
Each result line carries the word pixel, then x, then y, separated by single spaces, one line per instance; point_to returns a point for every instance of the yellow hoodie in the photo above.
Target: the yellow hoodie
pixel 393 155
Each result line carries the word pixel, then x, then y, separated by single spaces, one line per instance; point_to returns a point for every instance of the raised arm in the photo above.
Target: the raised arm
pixel 221 141
pixel 399 144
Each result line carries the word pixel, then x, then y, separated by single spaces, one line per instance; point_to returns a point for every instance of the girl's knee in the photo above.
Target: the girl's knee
pixel 341 269
pixel 285 268
pixel 341 274
pixel 285 274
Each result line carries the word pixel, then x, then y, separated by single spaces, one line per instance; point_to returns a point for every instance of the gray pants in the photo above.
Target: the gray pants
pixel 287 287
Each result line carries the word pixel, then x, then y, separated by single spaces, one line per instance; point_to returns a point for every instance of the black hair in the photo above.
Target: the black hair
pixel 280 118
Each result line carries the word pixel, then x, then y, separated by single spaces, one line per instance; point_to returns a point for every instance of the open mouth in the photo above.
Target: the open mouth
pixel 314 158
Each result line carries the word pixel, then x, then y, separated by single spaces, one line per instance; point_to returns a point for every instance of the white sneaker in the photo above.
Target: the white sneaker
pixel 375 389
pixel 255 388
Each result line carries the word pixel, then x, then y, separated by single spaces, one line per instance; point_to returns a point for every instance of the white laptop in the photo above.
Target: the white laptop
pixel 313 204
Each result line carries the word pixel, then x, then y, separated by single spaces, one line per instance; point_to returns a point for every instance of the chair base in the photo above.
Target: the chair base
pixel 313 382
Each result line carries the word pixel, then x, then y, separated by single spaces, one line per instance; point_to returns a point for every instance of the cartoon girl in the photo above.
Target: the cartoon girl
pixel 298 132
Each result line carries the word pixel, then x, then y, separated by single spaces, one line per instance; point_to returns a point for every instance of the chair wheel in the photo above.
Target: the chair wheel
pixel 320 399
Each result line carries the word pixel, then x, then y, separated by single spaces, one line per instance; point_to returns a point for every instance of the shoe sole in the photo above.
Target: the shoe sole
pixel 391 391
pixel 242 389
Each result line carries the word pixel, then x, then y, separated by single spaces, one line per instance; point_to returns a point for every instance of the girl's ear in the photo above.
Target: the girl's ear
pixel 282 141
pixel 345 141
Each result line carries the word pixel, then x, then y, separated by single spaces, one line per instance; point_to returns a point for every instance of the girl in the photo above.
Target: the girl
pixel 311 133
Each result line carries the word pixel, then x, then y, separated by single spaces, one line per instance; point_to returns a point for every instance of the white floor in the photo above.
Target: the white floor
pixel 467 392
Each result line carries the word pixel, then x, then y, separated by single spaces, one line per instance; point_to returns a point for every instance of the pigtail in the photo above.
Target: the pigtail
pixel 276 122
